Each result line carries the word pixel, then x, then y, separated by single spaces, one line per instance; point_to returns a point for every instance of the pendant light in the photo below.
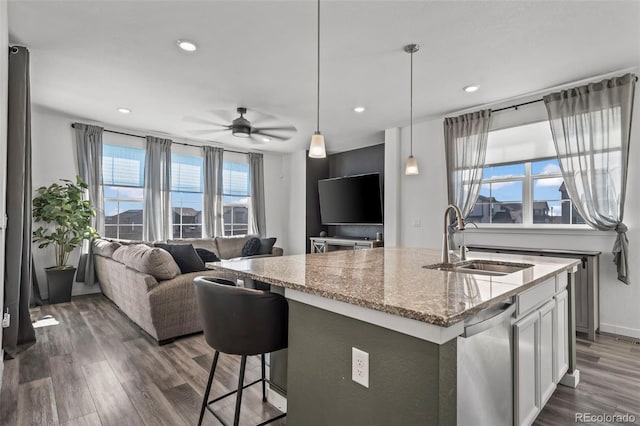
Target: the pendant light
pixel 317 149
pixel 412 163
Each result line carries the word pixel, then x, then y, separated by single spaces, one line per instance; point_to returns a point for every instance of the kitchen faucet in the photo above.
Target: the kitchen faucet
pixel 445 234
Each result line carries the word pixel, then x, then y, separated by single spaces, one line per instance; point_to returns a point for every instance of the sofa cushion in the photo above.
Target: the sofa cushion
pixel 230 247
pixel 251 247
pixel 153 261
pixel 104 248
pixel 204 243
pixel 207 255
pixel 266 245
pixel 185 256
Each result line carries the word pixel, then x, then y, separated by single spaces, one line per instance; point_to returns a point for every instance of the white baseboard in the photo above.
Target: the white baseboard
pixel 1 366
pixel 622 331
pixel 277 400
pixel 571 380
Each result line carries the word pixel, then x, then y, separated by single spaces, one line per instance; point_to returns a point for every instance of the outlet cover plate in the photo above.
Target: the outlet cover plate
pixel 360 367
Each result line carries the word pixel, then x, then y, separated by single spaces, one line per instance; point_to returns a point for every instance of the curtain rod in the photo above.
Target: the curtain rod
pixel 144 137
pixel 526 103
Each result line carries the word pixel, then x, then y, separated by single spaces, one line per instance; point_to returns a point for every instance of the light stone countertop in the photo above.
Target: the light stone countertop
pixel 393 280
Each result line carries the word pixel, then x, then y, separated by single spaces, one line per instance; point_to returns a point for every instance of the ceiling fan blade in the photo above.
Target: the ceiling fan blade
pixel 283 129
pixel 272 136
pixel 256 140
pixel 204 121
pixel 208 131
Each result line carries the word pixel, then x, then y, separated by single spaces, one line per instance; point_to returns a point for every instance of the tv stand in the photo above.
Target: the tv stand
pixel 326 244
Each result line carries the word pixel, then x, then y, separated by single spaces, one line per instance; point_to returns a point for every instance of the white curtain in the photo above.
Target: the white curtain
pixel 213 203
pixel 89 161
pixel 591 128
pixel 465 140
pixel 258 224
pixel 157 211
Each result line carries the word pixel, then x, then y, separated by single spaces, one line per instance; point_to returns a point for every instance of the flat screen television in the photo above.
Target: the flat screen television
pixel 352 200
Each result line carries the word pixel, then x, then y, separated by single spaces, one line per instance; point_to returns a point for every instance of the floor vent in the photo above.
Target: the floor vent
pixel 628 340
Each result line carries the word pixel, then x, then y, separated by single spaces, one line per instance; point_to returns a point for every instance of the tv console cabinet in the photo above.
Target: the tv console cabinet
pixel 326 244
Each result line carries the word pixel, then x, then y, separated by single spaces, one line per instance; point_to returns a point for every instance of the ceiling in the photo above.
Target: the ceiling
pixel 90 57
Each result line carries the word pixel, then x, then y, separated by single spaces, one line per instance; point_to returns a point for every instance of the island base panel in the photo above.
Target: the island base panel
pixel 411 381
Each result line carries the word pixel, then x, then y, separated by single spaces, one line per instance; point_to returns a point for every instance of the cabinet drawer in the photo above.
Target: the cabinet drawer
pixel 561 281
pixel 535 296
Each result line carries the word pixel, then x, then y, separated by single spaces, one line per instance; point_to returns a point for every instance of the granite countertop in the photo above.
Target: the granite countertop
pixel 393 280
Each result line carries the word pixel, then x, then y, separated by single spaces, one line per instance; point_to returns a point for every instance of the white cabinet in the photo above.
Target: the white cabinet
pixel 561 337
pixel 526 343
pixel 541 353
pixel 546 373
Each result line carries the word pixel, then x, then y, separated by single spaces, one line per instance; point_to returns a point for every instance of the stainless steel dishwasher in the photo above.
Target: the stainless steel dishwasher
pixel 485 368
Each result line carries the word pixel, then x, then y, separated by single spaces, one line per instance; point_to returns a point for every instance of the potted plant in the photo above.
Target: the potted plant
pixel 67 222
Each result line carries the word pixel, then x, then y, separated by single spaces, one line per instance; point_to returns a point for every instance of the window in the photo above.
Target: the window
pixel 123 182
pixel 522 182
pixel 236 196
pixel 186 195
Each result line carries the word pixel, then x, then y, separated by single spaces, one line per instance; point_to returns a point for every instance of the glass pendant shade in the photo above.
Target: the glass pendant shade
pixel 316 149
pixel 412 166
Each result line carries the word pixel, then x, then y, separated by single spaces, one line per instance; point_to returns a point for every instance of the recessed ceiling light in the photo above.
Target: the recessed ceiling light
pixel 187 46
pixel 470 89
pixel 266 139
pixel 359 109
pixel 124 110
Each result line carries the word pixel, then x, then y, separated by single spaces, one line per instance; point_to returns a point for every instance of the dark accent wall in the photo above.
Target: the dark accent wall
pixel 411 381
pixel 317 168
pixel 356 162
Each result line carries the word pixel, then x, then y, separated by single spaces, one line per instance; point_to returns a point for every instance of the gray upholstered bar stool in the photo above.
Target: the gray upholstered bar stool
pixel 244 322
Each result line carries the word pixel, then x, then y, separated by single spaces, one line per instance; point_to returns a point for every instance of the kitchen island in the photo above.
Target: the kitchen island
pixel 412 323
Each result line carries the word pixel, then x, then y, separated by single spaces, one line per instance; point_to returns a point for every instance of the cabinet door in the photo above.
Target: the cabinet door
pixel 561 335
pixel 547 354
pixel 526 337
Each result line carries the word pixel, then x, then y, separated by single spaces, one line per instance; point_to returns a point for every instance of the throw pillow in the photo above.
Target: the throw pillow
pixel 185 256
pixel 251 247
pixel 207 255
pixel 266 245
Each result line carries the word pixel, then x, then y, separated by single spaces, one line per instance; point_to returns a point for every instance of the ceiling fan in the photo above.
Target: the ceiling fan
pixel 241 127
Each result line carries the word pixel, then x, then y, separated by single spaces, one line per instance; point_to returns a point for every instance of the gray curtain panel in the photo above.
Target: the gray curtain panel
pixel 591 127
pixel 89 161
pixel 18 258
pixel 213 208
pixel 465 139
pixel 256 176
pixel 157 212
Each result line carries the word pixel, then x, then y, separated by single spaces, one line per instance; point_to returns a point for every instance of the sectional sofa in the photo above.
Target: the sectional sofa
pixel 146 284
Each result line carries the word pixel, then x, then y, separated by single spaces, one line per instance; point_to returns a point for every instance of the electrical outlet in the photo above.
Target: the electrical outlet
pixel 360 367
pixel 417 223
pixel 6 319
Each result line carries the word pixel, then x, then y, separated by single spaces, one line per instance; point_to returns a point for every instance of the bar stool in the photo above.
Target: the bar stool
pixel 244 322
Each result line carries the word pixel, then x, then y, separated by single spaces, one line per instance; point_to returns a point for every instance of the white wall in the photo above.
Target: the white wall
pixel 295 165
pixel 54 158
pixel 424 197
pixel 4 80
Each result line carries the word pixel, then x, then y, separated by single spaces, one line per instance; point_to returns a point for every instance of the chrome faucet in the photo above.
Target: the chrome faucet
pixel 445 234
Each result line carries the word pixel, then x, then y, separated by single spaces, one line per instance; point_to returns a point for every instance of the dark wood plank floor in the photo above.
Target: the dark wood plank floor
pixel 609 382
pixel 97 368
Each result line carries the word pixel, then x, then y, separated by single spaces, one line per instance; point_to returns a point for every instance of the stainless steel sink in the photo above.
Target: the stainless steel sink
pixel 481 267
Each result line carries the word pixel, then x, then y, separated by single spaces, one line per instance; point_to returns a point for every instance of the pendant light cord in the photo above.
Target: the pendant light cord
pixel 411 107
pixel 318 75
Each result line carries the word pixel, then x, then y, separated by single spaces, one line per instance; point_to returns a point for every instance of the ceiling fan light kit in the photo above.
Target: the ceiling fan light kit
pixel 317 148
pixel 412 163
pixel 241 127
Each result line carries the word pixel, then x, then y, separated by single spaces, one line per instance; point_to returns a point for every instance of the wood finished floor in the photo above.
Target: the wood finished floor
pixel 97 368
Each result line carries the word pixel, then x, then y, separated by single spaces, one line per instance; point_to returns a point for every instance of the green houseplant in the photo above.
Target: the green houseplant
pixel 66 219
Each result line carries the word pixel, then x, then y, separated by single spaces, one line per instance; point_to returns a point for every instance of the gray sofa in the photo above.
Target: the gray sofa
pixel 146 284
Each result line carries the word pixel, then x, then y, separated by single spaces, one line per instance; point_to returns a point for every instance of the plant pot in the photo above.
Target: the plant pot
pixel 60 283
